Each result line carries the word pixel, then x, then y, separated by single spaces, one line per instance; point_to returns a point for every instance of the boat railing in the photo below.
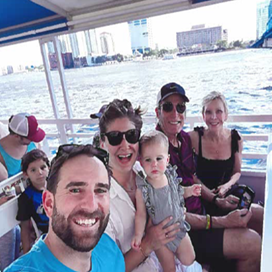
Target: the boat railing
pixel 65 131
pixel 8 210
pixel 64 135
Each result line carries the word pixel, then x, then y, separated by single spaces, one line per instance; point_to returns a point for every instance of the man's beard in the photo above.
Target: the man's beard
pixel 78 241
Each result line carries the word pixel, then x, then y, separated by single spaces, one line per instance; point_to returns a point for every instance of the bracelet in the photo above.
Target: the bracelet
pixel 208 224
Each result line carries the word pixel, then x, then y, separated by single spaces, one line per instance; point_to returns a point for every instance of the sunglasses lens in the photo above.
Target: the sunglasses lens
pixel 180 108
pixel 167 107
pixel 114 137
pixel 101 154
pixel 132 136
pixel 66 148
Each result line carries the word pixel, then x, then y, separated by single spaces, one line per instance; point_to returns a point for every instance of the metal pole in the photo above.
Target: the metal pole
pixel 50 85
pixel 62 78
pixel 63 82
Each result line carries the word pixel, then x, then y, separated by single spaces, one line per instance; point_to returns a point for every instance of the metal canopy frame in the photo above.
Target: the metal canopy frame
pixel 24 20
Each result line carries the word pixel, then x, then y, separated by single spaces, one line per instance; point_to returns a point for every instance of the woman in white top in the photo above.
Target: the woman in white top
pixel 120 128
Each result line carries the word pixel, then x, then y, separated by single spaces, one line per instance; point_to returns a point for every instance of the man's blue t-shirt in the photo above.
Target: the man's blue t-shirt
pixel 106 256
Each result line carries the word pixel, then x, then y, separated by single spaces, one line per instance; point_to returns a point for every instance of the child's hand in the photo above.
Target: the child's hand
pixel 136 243
pixel 196 190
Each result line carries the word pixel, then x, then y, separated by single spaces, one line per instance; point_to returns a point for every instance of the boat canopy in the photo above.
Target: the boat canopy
pixel 24 20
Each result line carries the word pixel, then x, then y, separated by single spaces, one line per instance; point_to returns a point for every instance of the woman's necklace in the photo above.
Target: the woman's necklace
pixel 130 186
pixel 130 190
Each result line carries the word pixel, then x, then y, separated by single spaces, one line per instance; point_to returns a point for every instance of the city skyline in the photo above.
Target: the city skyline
pixel 238 17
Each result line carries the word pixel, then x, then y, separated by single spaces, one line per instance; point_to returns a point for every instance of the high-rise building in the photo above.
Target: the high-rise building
pixel 269 23
pixel 50 47
pixel 107 44
pixel 199 35
pixel 91 42
pixel 141 36
pixel 74 45
pixel 264 11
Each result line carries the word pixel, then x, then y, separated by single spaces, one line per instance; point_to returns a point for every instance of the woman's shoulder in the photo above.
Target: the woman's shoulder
pixel 236 135
pixel 195 134
pixel 198 131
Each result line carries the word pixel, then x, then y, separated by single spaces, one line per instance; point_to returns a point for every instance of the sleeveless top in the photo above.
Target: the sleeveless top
pixel 166 201
pixel 215 172
pixel 183 158
pixel 13 165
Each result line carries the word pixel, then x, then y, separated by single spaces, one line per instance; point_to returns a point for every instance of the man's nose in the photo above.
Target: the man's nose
pixel 174 111
pixel 90 201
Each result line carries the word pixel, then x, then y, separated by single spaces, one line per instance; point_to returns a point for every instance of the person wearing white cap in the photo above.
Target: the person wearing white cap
pixel 23 131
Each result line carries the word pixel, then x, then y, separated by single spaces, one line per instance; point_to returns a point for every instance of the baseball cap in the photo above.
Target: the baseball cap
pixel 99 114
pixel 169 89
pixel 26 126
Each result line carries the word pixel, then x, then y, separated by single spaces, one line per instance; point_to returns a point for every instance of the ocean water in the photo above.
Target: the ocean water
pixel 243 76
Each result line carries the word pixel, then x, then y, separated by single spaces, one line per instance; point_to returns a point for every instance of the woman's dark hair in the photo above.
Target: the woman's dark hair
pixel 120 109
pixel 32 156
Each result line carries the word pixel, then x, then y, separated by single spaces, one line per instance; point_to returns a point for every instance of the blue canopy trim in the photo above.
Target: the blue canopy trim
pixel 20 16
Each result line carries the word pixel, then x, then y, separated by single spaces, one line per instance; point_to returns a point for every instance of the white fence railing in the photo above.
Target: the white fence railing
pixel 8 210
pixel 63 135
pixel 63 130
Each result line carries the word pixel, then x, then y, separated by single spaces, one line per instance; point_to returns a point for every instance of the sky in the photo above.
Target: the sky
pixel 238 17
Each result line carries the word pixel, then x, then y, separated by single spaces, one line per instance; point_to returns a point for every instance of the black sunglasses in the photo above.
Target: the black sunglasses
pixel 115 137
pixel 101 154
pixel 168 107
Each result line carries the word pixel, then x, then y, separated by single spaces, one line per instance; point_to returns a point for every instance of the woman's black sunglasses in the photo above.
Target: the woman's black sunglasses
pixel 168 107
pixel 101 154
pixel 115 137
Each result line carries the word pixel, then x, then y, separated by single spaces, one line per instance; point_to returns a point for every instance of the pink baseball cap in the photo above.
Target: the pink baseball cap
pixel 26 126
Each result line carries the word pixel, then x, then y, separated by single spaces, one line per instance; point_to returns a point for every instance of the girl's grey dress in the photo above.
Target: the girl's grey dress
pixel 164 202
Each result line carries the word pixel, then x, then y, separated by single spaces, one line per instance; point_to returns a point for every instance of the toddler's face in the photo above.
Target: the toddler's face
pixel 154 159
pixel 37 172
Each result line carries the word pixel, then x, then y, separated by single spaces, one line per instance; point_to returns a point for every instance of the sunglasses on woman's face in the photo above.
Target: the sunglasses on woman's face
pixel 116 137
pixel 101 154
pixel 168 107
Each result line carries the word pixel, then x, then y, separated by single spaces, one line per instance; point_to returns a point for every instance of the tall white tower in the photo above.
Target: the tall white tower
pixel 262 17
pixel 141 35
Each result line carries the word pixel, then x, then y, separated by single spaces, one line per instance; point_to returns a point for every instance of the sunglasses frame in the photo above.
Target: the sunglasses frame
pixel 120 136
pixel 179 107
pixel 102 155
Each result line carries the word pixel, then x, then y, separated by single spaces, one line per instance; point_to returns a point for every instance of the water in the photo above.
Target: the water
pixel 243 76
